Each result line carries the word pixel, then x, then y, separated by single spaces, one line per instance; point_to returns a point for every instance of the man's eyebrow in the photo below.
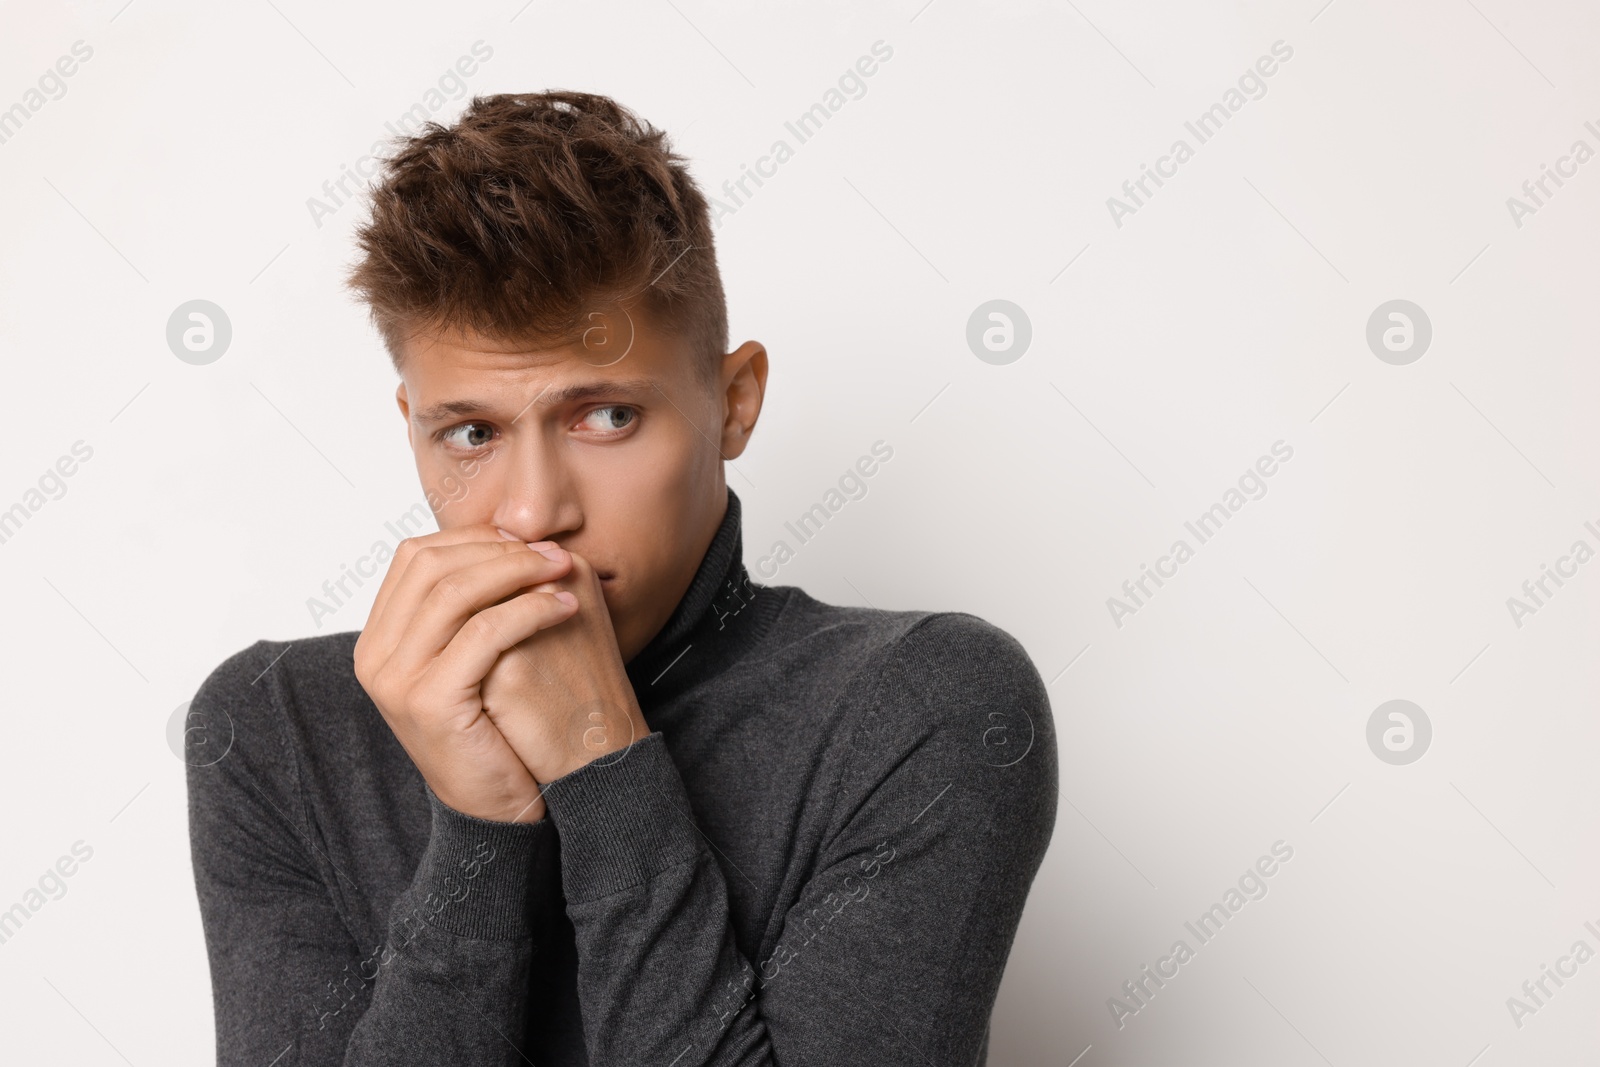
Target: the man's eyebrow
pixel 566 394
pixel 450 409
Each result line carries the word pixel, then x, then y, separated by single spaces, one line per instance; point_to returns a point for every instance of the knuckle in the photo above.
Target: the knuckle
pixel 445 594
pixel 545 604
pixel 365 660
pixel 378 690
pixel 484 629
pixel 524 558
pixel 533 609
pixel 430 563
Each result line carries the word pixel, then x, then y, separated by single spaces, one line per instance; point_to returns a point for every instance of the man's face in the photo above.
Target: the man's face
pixel 612 450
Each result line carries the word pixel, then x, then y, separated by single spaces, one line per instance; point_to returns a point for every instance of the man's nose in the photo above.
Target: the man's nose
pixel 539 500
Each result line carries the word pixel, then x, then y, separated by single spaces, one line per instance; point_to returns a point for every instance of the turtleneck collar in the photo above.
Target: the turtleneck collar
pixel 719 618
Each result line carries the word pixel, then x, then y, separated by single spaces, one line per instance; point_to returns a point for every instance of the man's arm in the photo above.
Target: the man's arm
pixel 894 950
pixel 290 985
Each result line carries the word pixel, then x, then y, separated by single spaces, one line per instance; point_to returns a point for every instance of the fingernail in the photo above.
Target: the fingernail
pixel 552 554
pixel 507 534
pixel 567 598
pixel 540 546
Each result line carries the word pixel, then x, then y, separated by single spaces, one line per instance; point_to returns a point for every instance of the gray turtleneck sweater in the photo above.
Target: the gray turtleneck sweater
pixel 819 855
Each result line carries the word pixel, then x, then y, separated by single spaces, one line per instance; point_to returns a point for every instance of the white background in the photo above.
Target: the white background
pixel 1228 313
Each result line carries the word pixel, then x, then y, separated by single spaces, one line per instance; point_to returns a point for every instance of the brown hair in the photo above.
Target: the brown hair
pixel 529 213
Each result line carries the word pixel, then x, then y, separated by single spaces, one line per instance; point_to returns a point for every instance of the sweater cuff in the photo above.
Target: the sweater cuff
pixel 622 819
pixel 476 877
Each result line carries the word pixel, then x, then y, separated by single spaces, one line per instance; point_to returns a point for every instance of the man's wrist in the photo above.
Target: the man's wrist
pixel 622 820
pixel 475 877
pixel 600 730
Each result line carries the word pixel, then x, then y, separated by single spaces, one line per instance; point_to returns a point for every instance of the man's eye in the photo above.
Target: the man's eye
pixel 611 417
pixel 476 434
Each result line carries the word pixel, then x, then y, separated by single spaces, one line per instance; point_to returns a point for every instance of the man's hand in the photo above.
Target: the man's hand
pixel 451 603
pixel 562 696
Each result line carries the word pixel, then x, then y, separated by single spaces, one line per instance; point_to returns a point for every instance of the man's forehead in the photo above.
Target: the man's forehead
pixel 601 339
pixel 465 346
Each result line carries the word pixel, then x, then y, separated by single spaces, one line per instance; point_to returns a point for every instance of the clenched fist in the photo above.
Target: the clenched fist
pixel 450 605
pixel 561 695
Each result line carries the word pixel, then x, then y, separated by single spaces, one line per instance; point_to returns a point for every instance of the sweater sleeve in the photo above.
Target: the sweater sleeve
pixel 290 985
pixel 893 951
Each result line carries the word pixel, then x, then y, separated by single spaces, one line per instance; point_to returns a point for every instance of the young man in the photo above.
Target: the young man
pixel 581 792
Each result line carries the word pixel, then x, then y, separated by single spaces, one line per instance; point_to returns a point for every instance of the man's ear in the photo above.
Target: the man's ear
pixel 401 399
pixel 744 384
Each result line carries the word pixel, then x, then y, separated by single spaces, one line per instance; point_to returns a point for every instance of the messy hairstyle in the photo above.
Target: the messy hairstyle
pixel 531 212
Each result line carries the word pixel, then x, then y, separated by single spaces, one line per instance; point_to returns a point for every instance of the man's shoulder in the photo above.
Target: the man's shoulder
pixel 954 690
pixel 270 684
pixel 955 651
pixel 304 660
